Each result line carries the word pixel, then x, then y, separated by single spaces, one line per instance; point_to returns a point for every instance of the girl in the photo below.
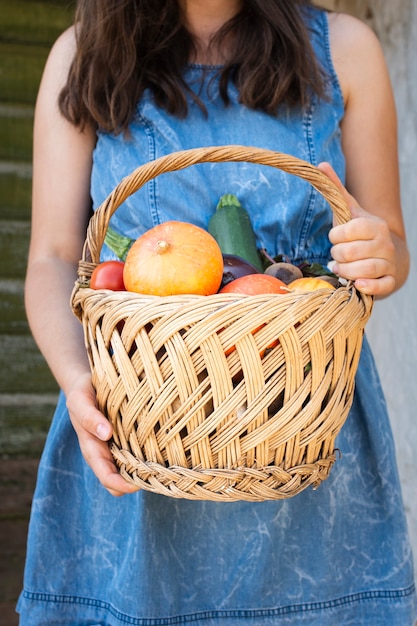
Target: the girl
pixel 135 79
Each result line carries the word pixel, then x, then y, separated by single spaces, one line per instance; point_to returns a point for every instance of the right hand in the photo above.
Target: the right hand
pixel 94 431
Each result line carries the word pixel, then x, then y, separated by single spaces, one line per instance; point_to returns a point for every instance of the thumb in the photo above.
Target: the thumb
pixel 327 169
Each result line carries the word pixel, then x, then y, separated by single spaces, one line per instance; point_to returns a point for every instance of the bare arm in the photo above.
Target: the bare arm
pixel 372 248
pixel 60 209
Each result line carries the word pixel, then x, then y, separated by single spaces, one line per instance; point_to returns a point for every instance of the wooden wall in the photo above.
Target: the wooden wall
pixel 27 389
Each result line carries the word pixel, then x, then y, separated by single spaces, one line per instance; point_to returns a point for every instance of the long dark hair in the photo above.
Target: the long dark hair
pixel 127 46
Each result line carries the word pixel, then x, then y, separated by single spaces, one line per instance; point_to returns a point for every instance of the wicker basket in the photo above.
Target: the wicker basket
pixel 194 418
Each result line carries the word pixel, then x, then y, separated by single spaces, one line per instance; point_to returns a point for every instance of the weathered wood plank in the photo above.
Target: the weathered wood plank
pixel 24 423
pixel 16 138
pixel 14 245
pixel 12 310
pixel 15 191
pixel 23 368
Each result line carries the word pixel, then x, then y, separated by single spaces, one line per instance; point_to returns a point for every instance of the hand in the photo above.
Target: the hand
pixel 93 431
pixel 363 249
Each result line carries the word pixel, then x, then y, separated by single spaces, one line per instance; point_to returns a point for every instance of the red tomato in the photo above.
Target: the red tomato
pixel 254 284
pixel 108 275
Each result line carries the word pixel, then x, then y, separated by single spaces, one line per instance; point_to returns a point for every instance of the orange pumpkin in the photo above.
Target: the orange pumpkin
pixel 309 283
pixel 174 258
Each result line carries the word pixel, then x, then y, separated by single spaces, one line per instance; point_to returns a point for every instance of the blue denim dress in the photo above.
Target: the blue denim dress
pixel 337 556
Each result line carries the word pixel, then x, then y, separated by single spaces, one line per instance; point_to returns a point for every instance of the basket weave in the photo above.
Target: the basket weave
pixel 192 416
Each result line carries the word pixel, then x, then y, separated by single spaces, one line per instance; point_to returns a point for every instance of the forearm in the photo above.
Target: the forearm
pixel 402 265
pixel 56 330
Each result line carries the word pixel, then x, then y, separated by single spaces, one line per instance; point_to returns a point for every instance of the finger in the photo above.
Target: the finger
pixel 368 268
pixel 98 456
pixel 370 276
pixel 327 169
pixel 94 431
pixel 89 418
pixel 362 227
pixel 359 229
pixel 356 250
pixel 378 287
pixel 115 484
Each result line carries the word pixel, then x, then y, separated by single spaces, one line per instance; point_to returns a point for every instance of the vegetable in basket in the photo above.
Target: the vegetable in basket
pixel 231 227
pixel 235 267
pixel 174 258
pixel 108 275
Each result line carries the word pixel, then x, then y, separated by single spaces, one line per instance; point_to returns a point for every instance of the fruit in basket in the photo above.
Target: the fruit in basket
pixel 287 272
pixel 255 284
pixel 310 283
pixel 235 267
pixel 231 227
pixel 252 285
pixel 108 275
pixel 174 258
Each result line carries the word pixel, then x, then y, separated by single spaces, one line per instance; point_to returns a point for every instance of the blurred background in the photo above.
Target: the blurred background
pixel 392 329
pixel 27 389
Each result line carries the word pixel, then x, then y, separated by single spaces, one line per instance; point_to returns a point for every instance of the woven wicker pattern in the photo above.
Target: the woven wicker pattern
pixel 202 407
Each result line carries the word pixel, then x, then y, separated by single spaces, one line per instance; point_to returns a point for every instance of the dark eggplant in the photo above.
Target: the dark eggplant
pixel 235 267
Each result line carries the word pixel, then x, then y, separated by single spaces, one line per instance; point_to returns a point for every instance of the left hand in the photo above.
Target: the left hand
pixel 363 249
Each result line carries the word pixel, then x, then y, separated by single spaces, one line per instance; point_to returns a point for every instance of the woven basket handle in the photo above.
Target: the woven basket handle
pixel 98 225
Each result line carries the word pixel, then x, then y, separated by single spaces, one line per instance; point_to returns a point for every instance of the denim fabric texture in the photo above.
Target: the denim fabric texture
pixel 336 556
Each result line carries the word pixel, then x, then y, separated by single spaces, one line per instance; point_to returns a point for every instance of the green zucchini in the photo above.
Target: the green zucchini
pixel 119 244
pixel 231 227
